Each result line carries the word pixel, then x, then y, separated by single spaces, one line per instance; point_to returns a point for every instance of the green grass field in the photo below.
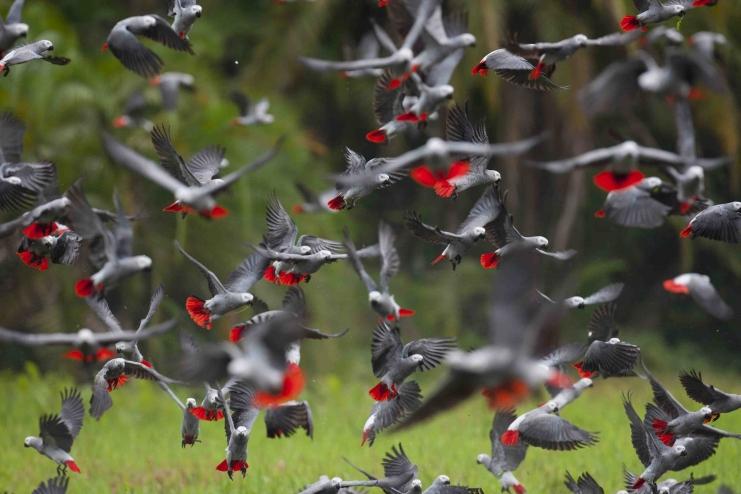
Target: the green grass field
pixel 135 448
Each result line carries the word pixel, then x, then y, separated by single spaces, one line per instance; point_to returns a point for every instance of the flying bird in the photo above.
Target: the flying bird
pixel 700 288
pixel 57 485
pixel 135 112
pixel 719 401
pixel 38 50
pixel 721 222
pixel 387 413
pixel 348 197
pixel 515 70
pixel 184 13
pixel 656 11
pixel 58 432
pixel 123 43
pixel 604 295
pixel 251 113
pixel 12 29
pixel 199 198
pixel 504 459
pixel 170 85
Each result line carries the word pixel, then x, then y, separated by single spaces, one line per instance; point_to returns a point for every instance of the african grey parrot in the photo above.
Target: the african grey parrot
pixel 721 222
pixel 114 374
pixel 251 113
pixel 606 294
pixel 199 198
pixel 170 85
pixel 285 419
pixel 225 297
pixel 190 425
pixel 38 50
pixel 504 459
pixel 21 183
pixel 240 417
pixel 548 54
pixel 585 484
pixel 135 112
pixel 379 295
pixel 483 212
pixel 668 486
pixel 61 247
pixel 645 204
pixel 671 420
pixel 123 43
pixel 514 69
pixel 185 13
pixel 394 361
pixel 699 287
pixel 655 11
pixel 199 170
pixel 57 485
pixel 58 432
pixel 442 485
pixel 312 202
pixel 719 401
pixel 657 457
pixel 384 414
pixel 501 232
pixel 335 485
pixel 542 427
pixel 12 29
pixel 399 473
pixel 348 197
pixel 113 250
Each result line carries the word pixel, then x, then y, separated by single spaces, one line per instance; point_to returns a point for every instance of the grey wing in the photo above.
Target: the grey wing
pixel 57 485
pixel 459 128
pixel 615 39
pixel 83 219
pixel 698 390
pixel 502 231
pixel 605 294
pixel 281 231
pixel 565 354
pixel 169 91
pixel 29 339
pixel 295 302
pixel 706 296
pixel 206 163
pixel 100 400
pixel 486 209
pixel 137 163
pixel 73 411
pixel 54 432
pixel 357 265
pixel 67 248
pixel 664 398
pixel 11 138
pixel 508 457
pixel 242 102
pixel 33 177
pixel 442 72
pixel 355 162
pixel 618 82
pixel 386 348
pixel 389 412
pixel 102 310
pixel 634 207
pixel 154 303
pixel 428 233
pixel 516 70
pixel 601 325
pixel 433 350
pixel 390 261
pixel 397 464
pixel 610 359
pixel 587 485
pixel 134 55
pixel 169 157
pixel 123 234
pixel 286 419
pixel 248 273
pixel 163 33
pixel 214 284
pixel 555 433
pixel 595 157
pixel 141 371
pixel 718 223
pixel 14 14
pixel 318 244
pixel 386 103
pixel 699 448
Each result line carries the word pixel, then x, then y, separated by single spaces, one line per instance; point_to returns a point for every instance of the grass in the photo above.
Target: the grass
pixel 135 448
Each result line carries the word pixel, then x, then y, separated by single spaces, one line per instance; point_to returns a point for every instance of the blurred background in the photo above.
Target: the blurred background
pixel 253 46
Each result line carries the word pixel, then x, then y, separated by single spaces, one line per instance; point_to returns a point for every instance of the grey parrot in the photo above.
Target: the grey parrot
pixel 700 288
pixel 12 29
pixel 721 222
pixel 707 394
pixel 184 13
pixel 38 50
pixel 386 413
pixel 504 459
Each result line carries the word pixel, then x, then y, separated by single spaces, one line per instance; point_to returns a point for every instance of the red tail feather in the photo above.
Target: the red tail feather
pixel 659 425
pixel 216 212
pixel 629 23
pixel 36 231
pixel 458 169
pixel 146 363
pixel 406 312
pixel 117 382
pixel 580 370
pixel 104 354
pixel 337 203
pixel 408 117
pixel 178 207
pixel 223 466
pixel 672 287
pixel 381 392
pixel 560 380
pixel 536 72
pixel 489 260
pixel 235 334
pixel 638 483
pixel 608 181
pixel 206 414
pixel 198 312
pixel 444 189
pixel 703 3
pixel 510 438
pixel 297 209
pixel 72 466
pixel 507 395
pixel 600 213
pixel 270 275
pixel 519 489
pixel 84 288
pixel 293 384
pixel 383 3
pixel 394 84
pixel 687 232
pixel 104 47
pixel 480 69
pixel 377 136
pixel 32 260
pixel 291 279
pixel 75 355
pixel 424 176
pixel 438 259
pixel 120 122
pixel 363 438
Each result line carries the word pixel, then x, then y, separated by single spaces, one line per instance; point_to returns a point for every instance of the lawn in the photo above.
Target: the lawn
pixel 135 448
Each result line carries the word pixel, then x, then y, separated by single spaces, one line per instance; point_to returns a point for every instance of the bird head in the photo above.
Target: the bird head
pixel 32 442
pixel 242 431
pixel 479 232
pixel 542 242
pixel 417 358
pixel 483 459
pixel 86 336
pixel 191 403
pixel 305 250
pixel 736 205
pixel 383 179
pixel 494 176
pixel 467 39
pixel 121 347
pixel 707 413
pixel 374 296
pixel 416 483
pixel 442 479
pixel 677 10
pixel 196 10
pixel 46 45
pixel 18 30
pixel 652 182
pixel 246 298
pixel 680 450
pixel 551 406
pixel 325 255
pixel 143 262
pixel 446 91
pixel 581 40
pixel 336 482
